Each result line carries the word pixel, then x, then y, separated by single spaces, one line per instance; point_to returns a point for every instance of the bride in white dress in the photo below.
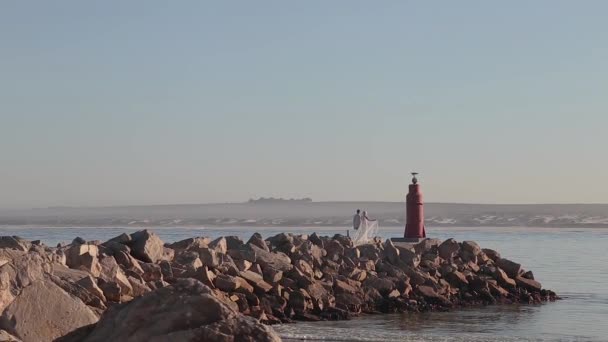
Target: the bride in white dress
pixel 367 230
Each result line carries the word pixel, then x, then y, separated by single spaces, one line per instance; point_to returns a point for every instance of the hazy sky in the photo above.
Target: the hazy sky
pixel 149 102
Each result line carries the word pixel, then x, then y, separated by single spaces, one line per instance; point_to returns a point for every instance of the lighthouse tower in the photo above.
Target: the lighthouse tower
pixel 414 226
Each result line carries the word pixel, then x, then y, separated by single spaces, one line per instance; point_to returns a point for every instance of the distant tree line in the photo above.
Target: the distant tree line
pixel 279 200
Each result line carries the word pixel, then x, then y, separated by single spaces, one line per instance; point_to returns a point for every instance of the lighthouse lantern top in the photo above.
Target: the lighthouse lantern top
pixel 414 179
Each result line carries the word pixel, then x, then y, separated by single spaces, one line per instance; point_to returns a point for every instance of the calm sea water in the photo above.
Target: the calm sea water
pixel 573 262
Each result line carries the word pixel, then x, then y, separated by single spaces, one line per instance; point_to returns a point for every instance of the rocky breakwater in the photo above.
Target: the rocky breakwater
pixel 137 288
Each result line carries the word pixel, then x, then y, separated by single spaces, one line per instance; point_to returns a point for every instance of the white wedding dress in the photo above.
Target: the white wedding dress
pixel 366 232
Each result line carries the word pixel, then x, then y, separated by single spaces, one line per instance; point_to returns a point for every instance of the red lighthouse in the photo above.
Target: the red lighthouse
pixel 414 227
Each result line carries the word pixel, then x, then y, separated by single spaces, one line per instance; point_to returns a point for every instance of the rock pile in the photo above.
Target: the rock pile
pixel 137 288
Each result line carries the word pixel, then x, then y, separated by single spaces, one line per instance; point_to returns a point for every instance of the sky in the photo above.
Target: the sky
pixel 157 102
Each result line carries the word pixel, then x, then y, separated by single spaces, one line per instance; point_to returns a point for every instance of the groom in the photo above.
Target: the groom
pixel 357 220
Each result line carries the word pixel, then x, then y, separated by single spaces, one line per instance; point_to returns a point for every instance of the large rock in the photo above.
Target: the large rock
pixel 256 240
pixel 190 244
pixel 6 337
pixel 184 311
pixel 528 284
pixel 111 272
pixel 146 246
pixel 43 312
pixel 83 257
pixel 14 242
pixel 471 247
pixel 278 261
pixel 512 269
pixel 448 249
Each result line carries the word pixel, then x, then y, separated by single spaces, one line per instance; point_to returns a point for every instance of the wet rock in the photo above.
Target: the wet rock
pixel 60 313
pixel 185 311
pixel 146 246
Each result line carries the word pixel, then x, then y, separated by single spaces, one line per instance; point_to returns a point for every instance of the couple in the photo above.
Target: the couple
pixel 365 228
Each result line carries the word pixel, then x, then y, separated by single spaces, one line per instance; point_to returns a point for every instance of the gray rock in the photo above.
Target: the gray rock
pixel 471 247
pixel 14 242
pixel 83 257
pixel 278 261
pixel 512 269
pixel 448 249
pixel 6 337
pixel 185 311
pixel 43 312
pixel 146 246
pixel 256 240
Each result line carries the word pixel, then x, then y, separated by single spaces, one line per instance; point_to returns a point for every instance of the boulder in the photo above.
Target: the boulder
pixel 123 238
pixel 528 284
pixel 256 240
pixel 492 254
pixel 209 257
pixel 456 279
pixel 111 272
pixel 219 245
pixel 89 284
pixel 408 257
pixel 184 311
pixel 14 242
pixel 512 269
pixel 146 246
pixel 83 257
pixel 391 253
pixel 432 296
pixel 471 247
pixel 152 272
pixel 503 279
pixel 6 337
pixel 257 281
pixel 190 244
pixel 43 312
pixel 448 249
pixel 277 261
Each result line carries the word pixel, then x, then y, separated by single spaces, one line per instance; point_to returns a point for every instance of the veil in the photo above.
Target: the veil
pixel 366 232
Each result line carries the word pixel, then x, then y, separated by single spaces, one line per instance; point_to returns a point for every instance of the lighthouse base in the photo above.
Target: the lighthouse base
pixel 407 239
